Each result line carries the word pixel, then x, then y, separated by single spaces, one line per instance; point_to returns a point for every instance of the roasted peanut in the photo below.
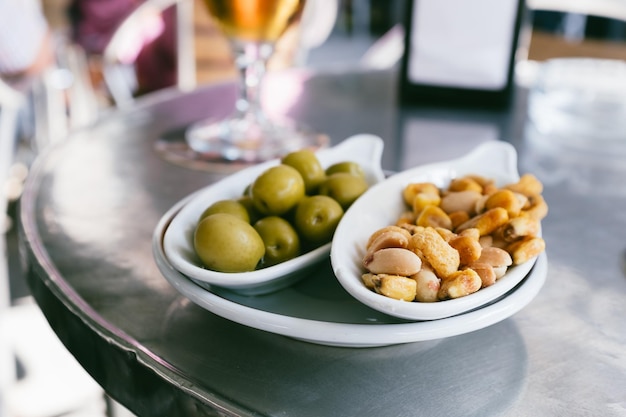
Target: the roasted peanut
pixel 386 229
pixel 486 241
pixel 391 238
pixel 479 207
pixel 459 284
pixel 394 261
pixel 433 216
pixel 500 271
pixel 460 201
pixel 428 284
pixel 495 257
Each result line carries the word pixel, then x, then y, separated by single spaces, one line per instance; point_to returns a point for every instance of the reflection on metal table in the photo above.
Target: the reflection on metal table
pixel 92 203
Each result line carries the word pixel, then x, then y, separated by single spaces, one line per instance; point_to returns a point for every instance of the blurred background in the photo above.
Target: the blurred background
pixel 105 54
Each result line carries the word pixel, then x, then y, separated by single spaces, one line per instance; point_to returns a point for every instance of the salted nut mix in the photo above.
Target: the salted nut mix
pixel 452 242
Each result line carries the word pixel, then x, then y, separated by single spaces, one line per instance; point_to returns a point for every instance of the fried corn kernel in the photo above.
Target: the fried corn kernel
pixel 471 232
pixel 486 273
pixel 469 249
pixel 484 182
pixel 445 233
pixel 443 258
pixel 527 185
pixel 518 227
pixel 459 284
pixel 433 216
pixel 371 281
pixel 392 286
pixel 537 207
pixel 486 222
pixel 464 184
pixel 423 200
pixel 526 248
pixel 406 217
pixel 411 190
pixel 458 218
pixel 507 200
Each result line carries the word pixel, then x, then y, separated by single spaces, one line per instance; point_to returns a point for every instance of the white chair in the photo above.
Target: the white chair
pixel 128 38
pixel 58 101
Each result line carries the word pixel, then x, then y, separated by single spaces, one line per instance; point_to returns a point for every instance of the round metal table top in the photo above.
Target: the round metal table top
pixel 91 205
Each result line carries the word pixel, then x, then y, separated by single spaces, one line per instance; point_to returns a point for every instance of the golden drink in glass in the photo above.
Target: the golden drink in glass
pixel 253 27
pixel 255 20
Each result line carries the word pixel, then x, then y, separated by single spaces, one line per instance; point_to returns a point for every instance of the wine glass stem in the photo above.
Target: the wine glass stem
pixel 252 62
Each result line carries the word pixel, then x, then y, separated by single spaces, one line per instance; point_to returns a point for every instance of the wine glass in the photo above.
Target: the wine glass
pixel 249 135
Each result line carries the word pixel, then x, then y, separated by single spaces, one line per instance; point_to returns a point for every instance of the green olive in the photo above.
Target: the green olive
pixel 277 190
pixel 343 187
pixel 253 213
pixel 233 207
pixel 226 243
pixel 349 167
pixel 317 217
pixel 280 238
pixel 307 164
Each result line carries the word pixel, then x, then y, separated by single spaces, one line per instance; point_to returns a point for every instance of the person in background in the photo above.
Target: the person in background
pixel 26 46
pixel 95 21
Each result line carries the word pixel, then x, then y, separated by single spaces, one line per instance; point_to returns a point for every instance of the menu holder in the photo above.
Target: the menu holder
pixel 461 53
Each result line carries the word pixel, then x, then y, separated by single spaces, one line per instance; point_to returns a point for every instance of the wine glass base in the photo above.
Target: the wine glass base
pixel 249 141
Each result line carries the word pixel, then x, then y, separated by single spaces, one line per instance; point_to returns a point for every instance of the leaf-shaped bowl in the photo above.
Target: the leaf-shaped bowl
pixel 364 149
pixel 383 204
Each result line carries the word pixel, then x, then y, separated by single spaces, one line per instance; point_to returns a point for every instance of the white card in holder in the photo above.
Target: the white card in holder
pixel 461 46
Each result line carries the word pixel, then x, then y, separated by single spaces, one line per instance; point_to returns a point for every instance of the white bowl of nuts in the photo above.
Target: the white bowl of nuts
pixel 209 242
pixel 442 239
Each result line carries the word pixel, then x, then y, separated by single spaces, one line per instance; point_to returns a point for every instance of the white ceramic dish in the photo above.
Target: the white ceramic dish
pixel 382 205
pixel 178 242
pixel 318 310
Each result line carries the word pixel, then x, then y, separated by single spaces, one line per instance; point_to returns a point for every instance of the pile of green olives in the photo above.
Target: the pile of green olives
pixel 289 209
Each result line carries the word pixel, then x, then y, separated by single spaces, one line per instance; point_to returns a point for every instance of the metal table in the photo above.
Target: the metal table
pixel 91 205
